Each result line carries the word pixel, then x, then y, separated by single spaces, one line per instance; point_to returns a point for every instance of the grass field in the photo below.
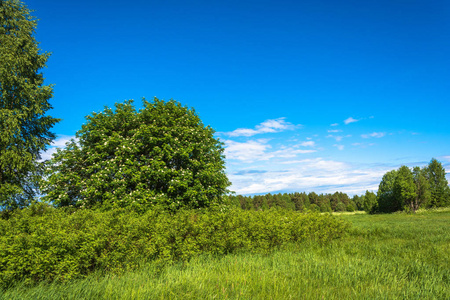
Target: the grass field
pixel 395 256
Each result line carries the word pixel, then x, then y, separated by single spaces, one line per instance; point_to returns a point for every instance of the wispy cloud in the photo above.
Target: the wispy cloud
pixel 308 144
pixel 268 126
pixel 338 138
pixel 247 151
pixel 373 134
pixel 340 147
pixel 261 150
pixel 334 124
pixel 350 120
pixel 334 130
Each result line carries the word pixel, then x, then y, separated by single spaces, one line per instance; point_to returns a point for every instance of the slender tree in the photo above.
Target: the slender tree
pixel 440 194
pixel 405 191
pixel 370 202
pixel 24 101
pixel 385 195
pixel 423 194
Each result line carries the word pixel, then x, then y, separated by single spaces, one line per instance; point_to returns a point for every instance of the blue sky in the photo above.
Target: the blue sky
pixel 306 95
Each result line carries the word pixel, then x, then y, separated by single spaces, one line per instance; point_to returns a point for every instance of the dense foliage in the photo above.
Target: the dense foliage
pixel 44 243
pixel 24 127
pixel 299 202
pixel 406 189
pixel 161 154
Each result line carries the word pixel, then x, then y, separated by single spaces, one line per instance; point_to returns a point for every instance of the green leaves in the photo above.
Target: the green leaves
pixel 24 128
pixel 440 193
pixel 405 189
pixel 160 155
pixel 41 243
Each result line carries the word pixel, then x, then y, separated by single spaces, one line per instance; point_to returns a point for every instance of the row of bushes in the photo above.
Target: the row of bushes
pixel 43 243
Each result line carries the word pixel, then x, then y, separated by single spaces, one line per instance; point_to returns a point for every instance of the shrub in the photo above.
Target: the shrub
pixel 56 244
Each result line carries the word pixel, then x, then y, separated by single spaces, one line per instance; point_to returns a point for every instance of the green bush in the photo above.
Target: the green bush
pixel 45 244
pixel 314 207
pixel 341 207
pixel 350 208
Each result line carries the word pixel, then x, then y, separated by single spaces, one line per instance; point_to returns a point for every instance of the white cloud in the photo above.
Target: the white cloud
pixel 373 134
pixel 334 130
pixel 260 150
pixel 268 126
pixel 248 151
pixel 288 152
pixel 318 174
pixel 59 142
pixel 308 144
pixel 338 138
pixel 45 155
pixel 334 124
pixel 340 147
pixel 350 120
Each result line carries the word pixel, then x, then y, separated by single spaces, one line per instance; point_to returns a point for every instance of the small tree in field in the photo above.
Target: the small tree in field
pixel 159 155
pixel 24 127
pixel 387 202
pixel 405 190
pixel 423 194
pixel 438 184
pixel 370 202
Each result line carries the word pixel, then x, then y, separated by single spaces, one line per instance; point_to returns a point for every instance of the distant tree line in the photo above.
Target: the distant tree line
pixel 404 189
pixel 300 202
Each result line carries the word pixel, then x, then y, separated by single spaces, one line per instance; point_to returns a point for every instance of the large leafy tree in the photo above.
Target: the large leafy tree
pixel 24 127
pixel 161 154
pixel 440 194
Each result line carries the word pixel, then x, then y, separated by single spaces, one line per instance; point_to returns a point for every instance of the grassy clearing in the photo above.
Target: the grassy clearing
pixel 395 256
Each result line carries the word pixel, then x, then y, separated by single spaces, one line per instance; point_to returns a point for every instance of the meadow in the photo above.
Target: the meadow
pixel 388 256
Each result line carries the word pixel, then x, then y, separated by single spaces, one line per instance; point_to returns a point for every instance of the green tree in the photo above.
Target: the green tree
pixel 159 155
pixel 370 202
pixel 313 198
pixel 405 191
pixel 423 194
pixel 358 201
pixel 24 127
pixel 440 194
pixel 385 195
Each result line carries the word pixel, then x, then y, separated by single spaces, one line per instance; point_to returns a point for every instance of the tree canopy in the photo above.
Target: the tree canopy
pixel 411 189
pixel 24 127
pixel 161 154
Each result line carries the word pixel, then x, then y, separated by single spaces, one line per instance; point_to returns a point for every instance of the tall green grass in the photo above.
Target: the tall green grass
pixel 396 256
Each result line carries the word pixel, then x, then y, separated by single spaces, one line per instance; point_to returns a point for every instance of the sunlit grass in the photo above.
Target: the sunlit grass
pixel 356 212
pixel 396 256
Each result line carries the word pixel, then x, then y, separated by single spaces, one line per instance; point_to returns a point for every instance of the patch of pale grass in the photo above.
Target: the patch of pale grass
pixel 356 212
